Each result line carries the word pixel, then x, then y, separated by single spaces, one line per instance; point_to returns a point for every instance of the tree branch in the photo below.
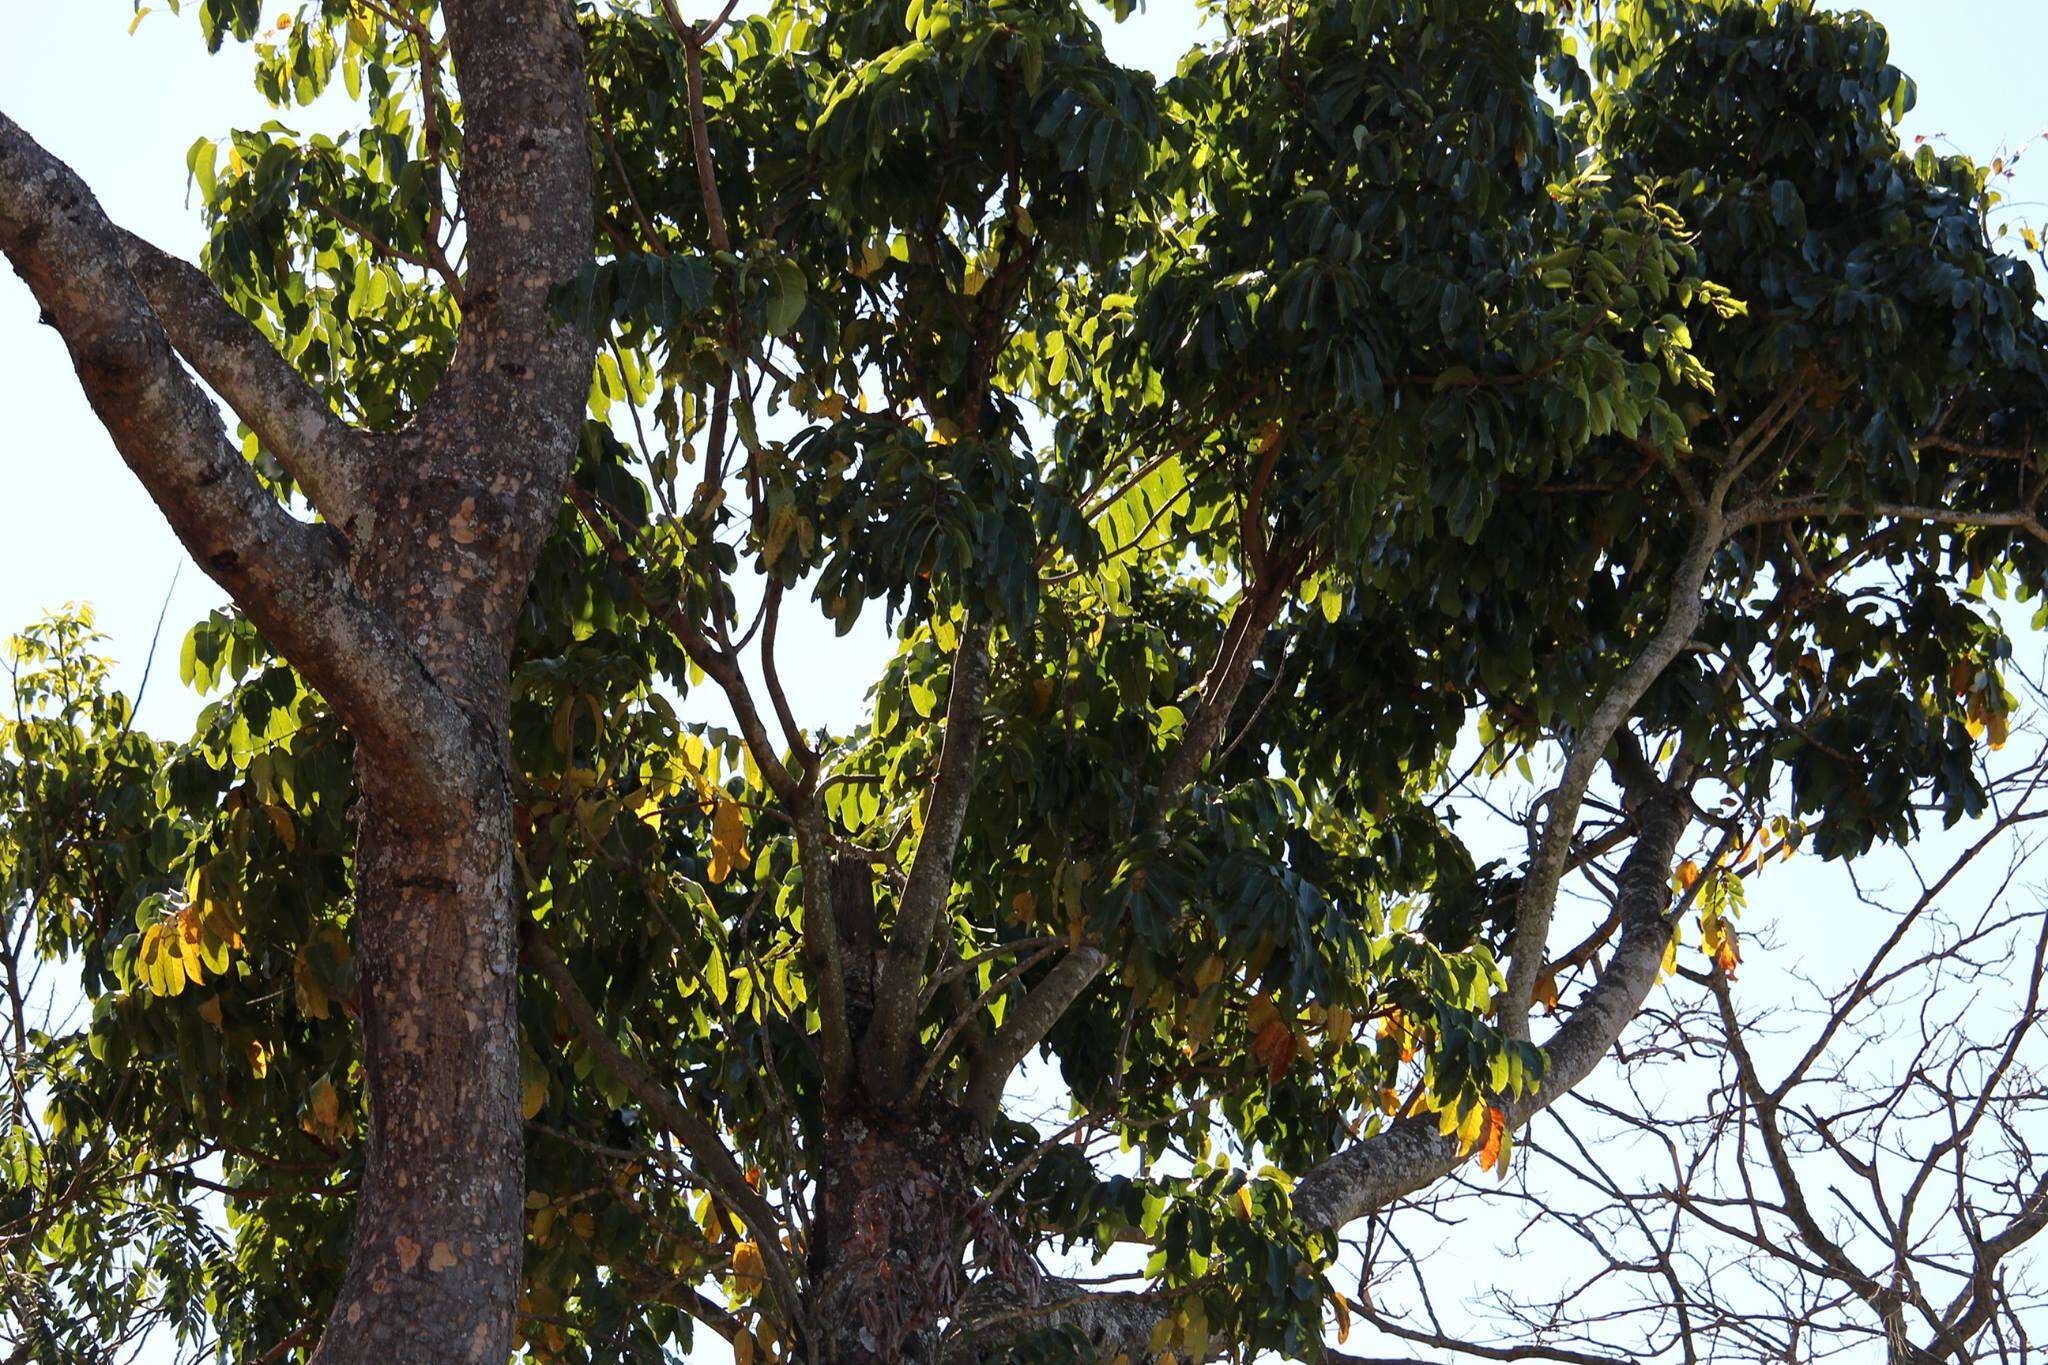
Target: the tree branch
pixel 322 452
pixel 1238 650
pixel 900 984
pixel 1412 1154
pixel 1025 1027
pixel 714 1164
pixel 1537 899
pixel 290 577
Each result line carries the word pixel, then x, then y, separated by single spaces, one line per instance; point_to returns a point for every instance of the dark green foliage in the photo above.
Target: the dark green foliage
pixel 1445 313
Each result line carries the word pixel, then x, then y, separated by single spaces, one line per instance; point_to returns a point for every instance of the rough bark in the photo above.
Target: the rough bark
pixel 1412 1154
pixel 889 1233
pixel 434 1271
pixel 291 578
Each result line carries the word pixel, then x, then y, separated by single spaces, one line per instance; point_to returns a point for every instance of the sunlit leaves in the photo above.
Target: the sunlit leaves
pixel 1399 299
pixel 186 947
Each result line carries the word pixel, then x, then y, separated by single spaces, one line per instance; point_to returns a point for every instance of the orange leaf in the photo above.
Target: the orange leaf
pixel 1274 1048
pixel 1490 1144
pixel 1395 1026
pixel 1728 954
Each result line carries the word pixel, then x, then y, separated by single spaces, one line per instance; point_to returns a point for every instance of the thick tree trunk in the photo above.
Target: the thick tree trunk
pixel 888 1243
pixel 438 1227
pixel 400 610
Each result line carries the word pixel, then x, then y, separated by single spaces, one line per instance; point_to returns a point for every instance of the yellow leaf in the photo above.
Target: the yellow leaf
pixel 209 1010
pixel 259 1058
pixel 170 970
pixel 747 1267
pixel 307 990
pixel 1688 873
pixel 1472 1126
pixel 136 22
pixel 1447 1120
pixel 533 1083
pixel 322 1118
pixel 1244 1201
pixel 185 931
pixel 728 839
pixel 780 527
pixel 648 808
pixel 1343 1307
pixel 1545 992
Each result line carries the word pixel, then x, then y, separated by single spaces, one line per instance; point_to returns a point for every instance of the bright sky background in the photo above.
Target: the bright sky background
pixel 75 525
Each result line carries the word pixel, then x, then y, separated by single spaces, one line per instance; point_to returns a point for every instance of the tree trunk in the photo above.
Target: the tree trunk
pixel 438 1225
pixel 890 1236
pixel 400 610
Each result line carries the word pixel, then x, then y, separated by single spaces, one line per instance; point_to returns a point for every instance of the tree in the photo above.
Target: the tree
pixel 398 605
pixel 1244 465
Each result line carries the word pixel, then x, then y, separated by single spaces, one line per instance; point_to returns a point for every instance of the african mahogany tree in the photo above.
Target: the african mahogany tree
pixel 1240 462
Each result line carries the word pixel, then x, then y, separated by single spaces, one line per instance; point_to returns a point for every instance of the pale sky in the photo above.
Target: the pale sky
pixel 123 110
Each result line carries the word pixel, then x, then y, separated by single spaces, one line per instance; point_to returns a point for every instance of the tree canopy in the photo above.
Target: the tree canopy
pixel 1240 463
